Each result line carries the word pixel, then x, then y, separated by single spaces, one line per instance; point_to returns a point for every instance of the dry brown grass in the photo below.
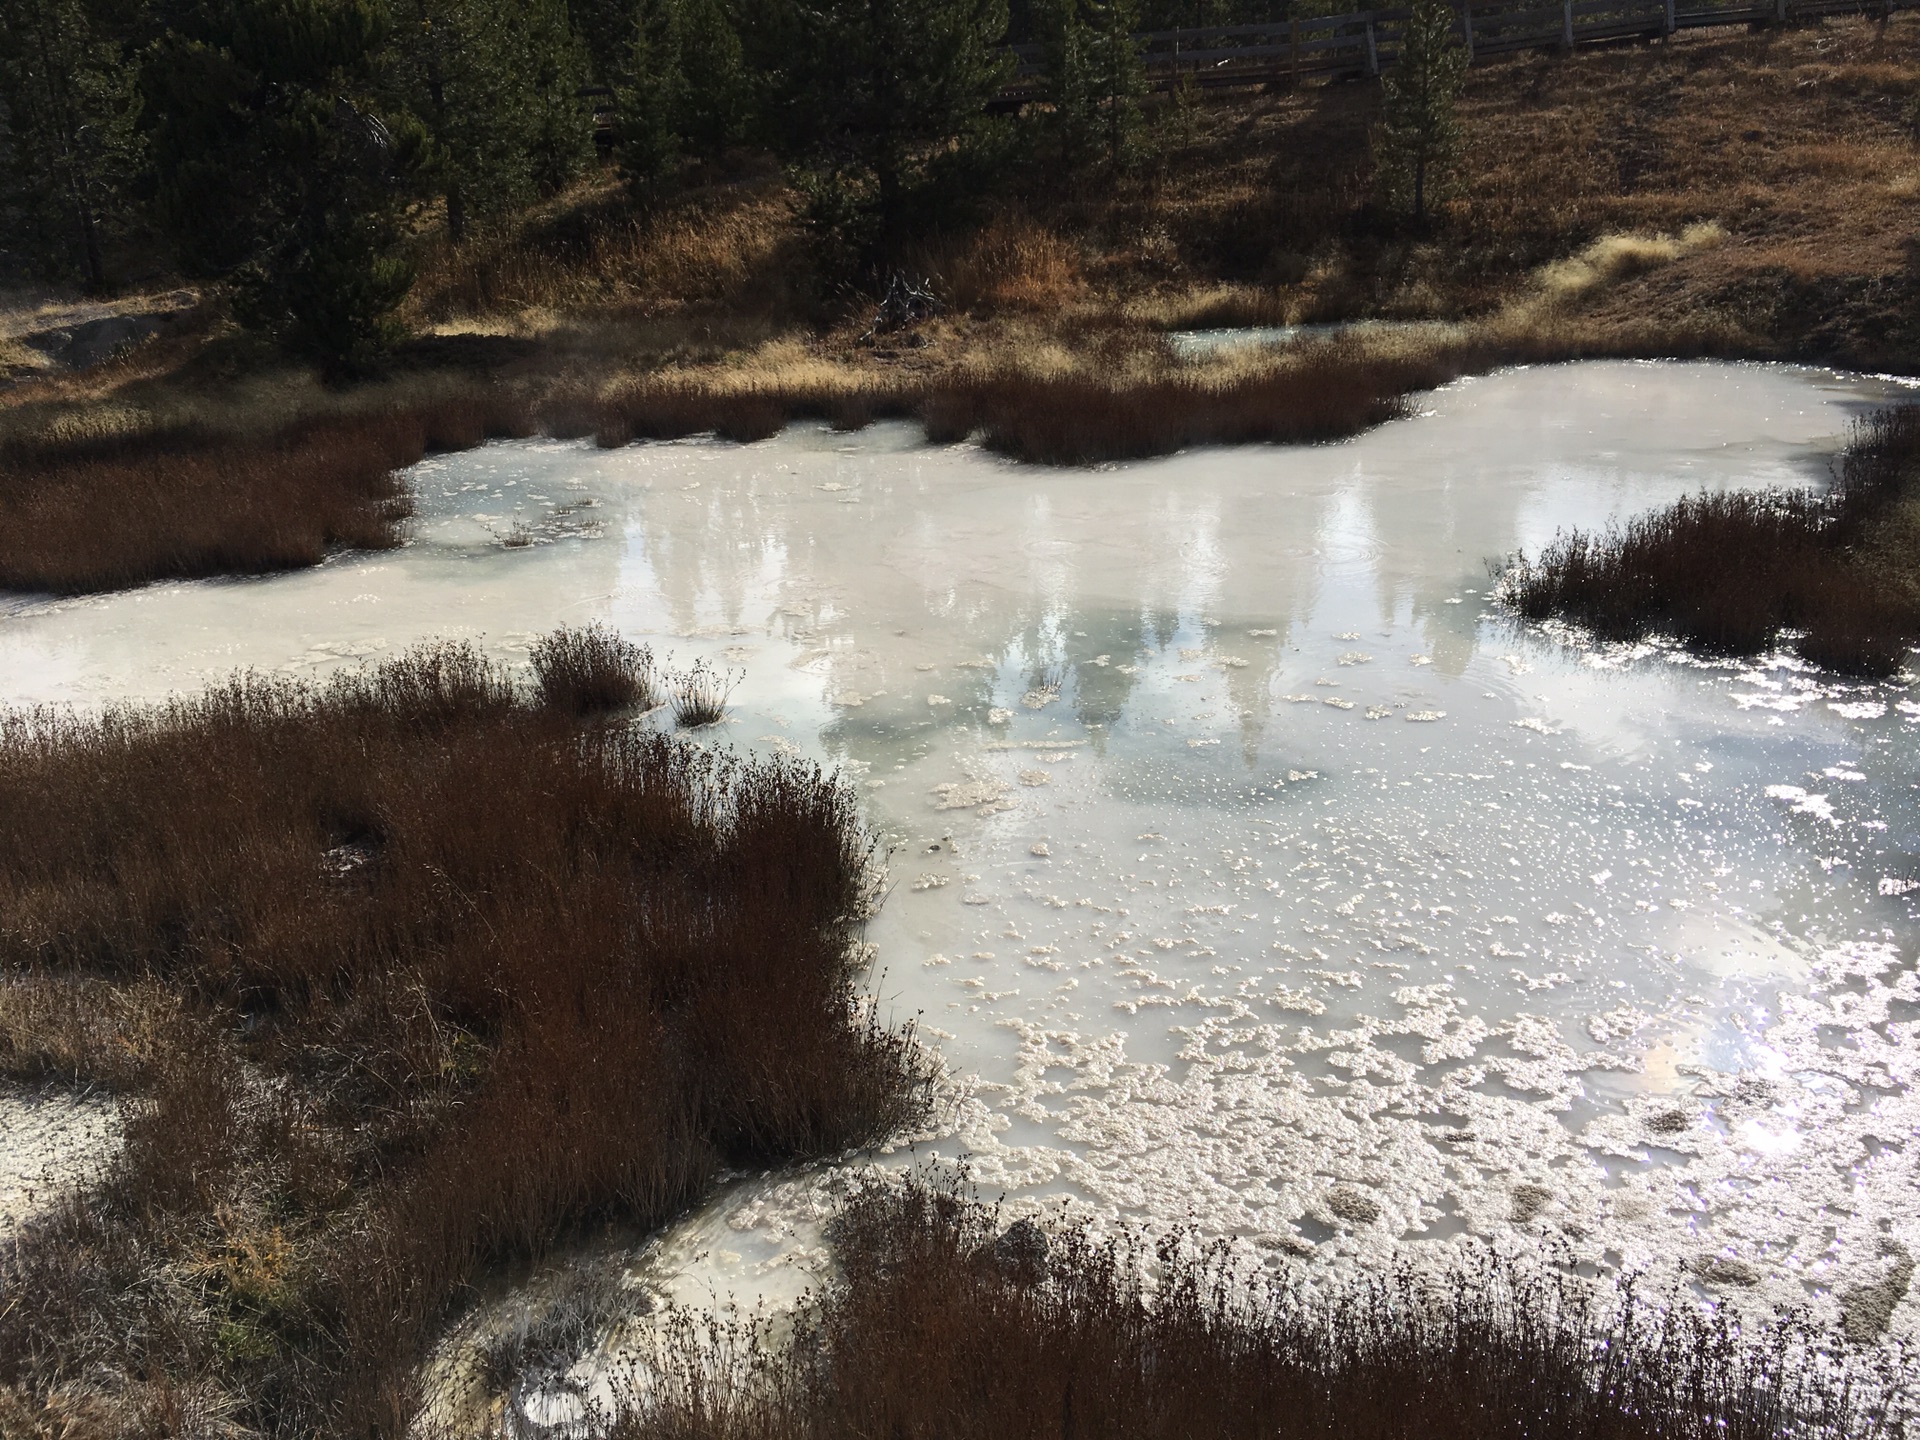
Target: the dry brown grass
pixel 1729 572
pixel 942 1327
pixel 1009 264
pixel 120 506
pixel 734 249
pixel 403 977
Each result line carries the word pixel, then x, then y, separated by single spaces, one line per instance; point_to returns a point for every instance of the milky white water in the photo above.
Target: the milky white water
pixel 1249 871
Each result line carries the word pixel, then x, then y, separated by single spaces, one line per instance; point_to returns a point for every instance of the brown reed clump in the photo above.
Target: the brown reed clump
pixel 99 513
pixel 1080 417
pixel 590 670
pixel 942 1327
pixel 103 512
pixel 106 512
pixel 403 976
pixel 1729 572
pixel 700 695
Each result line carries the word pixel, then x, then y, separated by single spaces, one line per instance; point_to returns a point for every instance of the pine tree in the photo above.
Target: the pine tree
pixel 649 95
pixel 713 97
pixel 683 92
pixel 876 99
pixel 1417 143
pixel 1095 78
pixel 69 149
pixel 274 167
pixel 497 84
pixel 1119 74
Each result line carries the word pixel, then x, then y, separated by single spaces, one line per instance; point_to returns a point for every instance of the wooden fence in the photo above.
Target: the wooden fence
pixel 1366 41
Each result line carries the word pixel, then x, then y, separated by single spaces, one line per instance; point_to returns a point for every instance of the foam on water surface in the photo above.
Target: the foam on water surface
pixel 1250 871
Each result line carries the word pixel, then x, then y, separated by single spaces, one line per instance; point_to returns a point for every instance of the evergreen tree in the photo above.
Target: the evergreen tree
pixel 879 97
pixel 1095 78
pixel 69 149
pixel 1119 75
pixel 649 90
pixel 1417 143
pixel 496 83
pixel 683 91
pixel 274 167
pixel 1071 120
pixel 713 96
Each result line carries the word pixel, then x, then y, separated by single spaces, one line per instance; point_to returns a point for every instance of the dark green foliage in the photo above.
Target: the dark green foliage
pixel 274 164
pixel 497 85
pixel 683 90
pixel 69 151
pixel 1418 142
pixel 1095 78
pixel 878 100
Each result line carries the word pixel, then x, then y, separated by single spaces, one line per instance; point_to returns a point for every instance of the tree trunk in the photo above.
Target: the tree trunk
pixel 90 244
pixel 456 214
pixel 65 128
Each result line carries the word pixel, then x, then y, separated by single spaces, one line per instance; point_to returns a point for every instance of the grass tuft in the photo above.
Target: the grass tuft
pixel 700 695
pixel 1730 572
pixel 942 1327
pixel 591 670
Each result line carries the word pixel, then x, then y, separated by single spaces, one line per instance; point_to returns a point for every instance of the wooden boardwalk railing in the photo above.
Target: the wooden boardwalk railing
pixel 1368 40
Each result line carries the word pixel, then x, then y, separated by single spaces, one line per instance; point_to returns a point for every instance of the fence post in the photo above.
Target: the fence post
pixel 1779 12
pixel 1296 49
pixel 1566 24
pixel 1669 17
pixel 1466 25
pixel 1373 54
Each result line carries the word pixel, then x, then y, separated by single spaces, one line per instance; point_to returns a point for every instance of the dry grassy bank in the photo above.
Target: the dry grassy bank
pixel 943 1328
pixel 1797 144
pixel 1729 572
pixel 402 976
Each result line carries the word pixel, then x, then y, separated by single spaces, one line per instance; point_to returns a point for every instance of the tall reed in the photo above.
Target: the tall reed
pixel 939 1327
pixel 103 512
pixel 403 976
pixel 1729 572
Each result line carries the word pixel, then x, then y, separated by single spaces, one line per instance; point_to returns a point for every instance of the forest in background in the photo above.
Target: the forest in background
pixel 289 149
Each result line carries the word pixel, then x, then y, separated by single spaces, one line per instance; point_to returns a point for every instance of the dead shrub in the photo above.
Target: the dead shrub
pixel 589 670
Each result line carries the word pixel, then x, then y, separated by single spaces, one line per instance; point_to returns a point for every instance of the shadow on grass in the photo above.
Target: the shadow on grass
pixel 402 976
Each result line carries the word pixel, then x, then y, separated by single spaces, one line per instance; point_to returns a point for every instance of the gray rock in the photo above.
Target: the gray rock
pixel 1866 1312
pixel 1353 1206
